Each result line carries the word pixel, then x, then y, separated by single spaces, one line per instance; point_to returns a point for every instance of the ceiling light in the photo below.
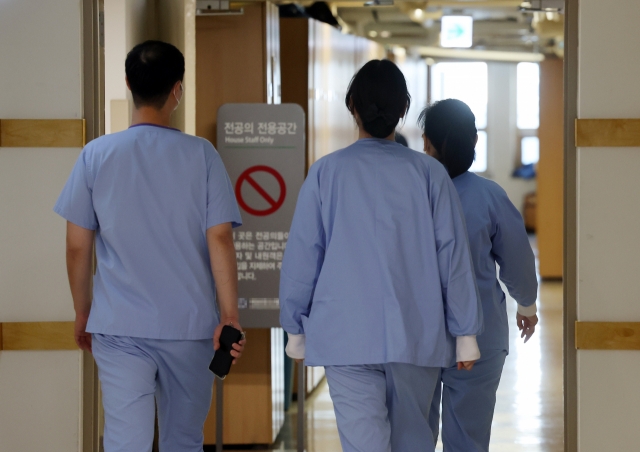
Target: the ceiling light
pixel 373 34
pixel 379 3
pixel 385 34
pixel 545 6
pixel 399 51
pixel 418 13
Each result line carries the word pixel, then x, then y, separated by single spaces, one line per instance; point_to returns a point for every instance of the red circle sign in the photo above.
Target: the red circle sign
pixel 274 204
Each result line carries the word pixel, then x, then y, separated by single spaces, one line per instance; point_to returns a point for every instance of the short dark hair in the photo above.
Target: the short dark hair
pixel 450 125
pixel 153 68
pixel 378 93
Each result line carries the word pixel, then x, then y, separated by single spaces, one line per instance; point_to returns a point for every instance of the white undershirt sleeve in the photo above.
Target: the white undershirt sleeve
pixel 528 311
pixel 295 346
pixel 467 349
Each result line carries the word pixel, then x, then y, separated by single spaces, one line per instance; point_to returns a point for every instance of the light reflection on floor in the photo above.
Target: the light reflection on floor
pixel 529 410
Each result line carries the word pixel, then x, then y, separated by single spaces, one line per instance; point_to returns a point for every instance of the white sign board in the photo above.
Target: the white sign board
pixel 456 31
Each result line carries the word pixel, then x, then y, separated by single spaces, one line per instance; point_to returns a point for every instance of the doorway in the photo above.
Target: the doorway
pixel 532 385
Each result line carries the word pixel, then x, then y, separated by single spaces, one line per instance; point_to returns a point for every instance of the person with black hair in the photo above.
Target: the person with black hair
pixel 160 207
pixel 377 282
pixel 496 235
pixel 401 139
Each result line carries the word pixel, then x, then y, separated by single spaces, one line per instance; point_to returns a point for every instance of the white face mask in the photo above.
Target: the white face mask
pixel 176 96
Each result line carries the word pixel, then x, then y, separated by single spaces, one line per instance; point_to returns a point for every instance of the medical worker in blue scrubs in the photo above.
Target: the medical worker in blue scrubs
pixel 160 207
pixel 377 283
pixel 496 236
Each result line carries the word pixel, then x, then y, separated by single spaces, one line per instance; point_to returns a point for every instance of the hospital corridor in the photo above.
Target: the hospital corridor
pixel 319 226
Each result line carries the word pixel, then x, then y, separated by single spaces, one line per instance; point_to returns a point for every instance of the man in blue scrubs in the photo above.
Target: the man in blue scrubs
pixel 160 208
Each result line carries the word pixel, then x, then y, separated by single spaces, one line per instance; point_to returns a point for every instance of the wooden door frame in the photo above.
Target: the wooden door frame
pixel 93 90
pixel 570 226
pixel 93 112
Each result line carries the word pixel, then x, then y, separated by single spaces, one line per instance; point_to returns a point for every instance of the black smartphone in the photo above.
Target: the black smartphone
pixel 222 360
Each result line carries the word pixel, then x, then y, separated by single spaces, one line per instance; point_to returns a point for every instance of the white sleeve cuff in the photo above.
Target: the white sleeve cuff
pixel 295 346
pixel 528 311
pixel 467 349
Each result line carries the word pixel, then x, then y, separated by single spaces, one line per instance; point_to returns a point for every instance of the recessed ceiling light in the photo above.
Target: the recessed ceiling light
pixel 385 34
pixel 545 6
pixel 399 51
pixel 373 33
pixel 418 13
pixel 379 3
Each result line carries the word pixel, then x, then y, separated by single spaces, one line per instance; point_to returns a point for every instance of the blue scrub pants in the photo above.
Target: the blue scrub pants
pixel 468 402
pixel 135 374
pixel 383 407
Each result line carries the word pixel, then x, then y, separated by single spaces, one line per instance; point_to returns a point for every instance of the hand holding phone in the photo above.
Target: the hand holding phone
pixel 222 360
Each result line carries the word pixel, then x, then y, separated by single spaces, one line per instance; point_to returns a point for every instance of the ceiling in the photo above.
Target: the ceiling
pixel 534 27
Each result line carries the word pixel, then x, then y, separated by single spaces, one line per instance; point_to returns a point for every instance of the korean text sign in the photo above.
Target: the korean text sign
pixel 263 149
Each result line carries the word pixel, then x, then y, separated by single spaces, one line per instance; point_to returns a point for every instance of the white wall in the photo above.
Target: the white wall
pixel 502 134
pixel 40 54
pixel 415 72
pixel 130 22
pixel 115 51
pixel 177 25
pixel 46 85
pixel 334 58
pixel 33 277
pixel 126 23
pixel 40 401
pixel 503 146
pixel 608 218
pixel 41 75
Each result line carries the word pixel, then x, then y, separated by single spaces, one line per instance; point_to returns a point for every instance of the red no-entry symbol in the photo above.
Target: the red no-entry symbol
pixel 247 177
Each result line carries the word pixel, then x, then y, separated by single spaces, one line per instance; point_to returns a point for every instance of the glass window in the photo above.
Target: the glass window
pixel 528 82
pixel 467 82
pixel 480 163
pixel 530 150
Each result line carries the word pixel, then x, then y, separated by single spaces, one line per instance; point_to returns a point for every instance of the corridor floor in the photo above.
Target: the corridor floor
pixel 529 411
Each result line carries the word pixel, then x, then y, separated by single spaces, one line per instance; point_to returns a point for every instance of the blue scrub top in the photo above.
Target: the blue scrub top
pixel 150 193
pixel 377 267
pixel 496 235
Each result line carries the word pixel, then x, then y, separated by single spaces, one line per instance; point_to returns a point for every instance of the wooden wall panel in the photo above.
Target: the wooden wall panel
pixel 294 66
pixel 42 133
pixel 334 59
pixel 247 396
pixel 608 132
pixel 225 74
pixel 237 61
pixel 550 195
pixel 37 336
pixel 608 335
